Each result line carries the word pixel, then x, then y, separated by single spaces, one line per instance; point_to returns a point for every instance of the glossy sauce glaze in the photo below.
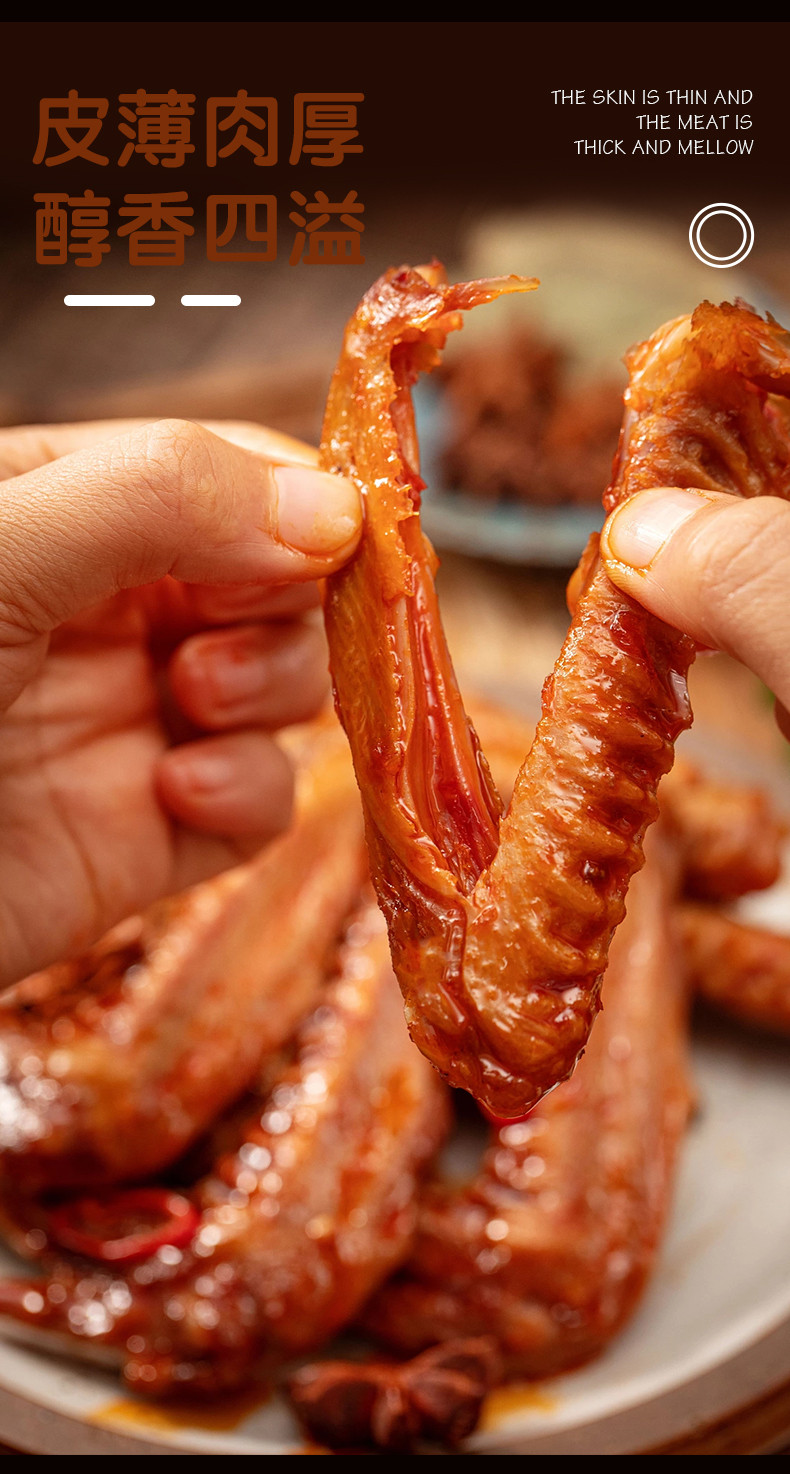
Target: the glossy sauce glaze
pixel 111 1065
pixel 500 939
pixel 548 1246
pixel 294 1227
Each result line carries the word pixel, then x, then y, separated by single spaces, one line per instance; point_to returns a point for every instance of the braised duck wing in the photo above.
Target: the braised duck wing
pixel 500 930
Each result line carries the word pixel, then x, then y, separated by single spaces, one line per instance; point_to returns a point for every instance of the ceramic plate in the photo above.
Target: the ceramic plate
pixel 508 532
pixel 607 280
pixel 712 1335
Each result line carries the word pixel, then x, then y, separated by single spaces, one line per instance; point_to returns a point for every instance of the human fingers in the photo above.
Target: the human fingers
pixel 173 611
pixel 24 447
pixel 166 498
pixel 182 607
pixel 713 565
pixel 266 675
pixel 236 786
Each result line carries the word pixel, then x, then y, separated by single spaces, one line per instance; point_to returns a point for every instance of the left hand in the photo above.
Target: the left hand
pixel 157 623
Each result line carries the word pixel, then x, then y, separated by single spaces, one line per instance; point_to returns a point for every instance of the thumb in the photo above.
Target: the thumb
pixel 713 565
pixel 164 498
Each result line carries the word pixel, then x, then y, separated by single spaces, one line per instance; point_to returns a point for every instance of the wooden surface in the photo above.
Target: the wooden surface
pixel 759 1427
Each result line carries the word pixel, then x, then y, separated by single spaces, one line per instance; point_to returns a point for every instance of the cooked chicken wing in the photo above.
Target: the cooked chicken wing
pixel 500 932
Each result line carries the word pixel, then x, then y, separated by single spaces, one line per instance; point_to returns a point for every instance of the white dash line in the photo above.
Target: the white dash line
pixel 85 299
pixel 207 300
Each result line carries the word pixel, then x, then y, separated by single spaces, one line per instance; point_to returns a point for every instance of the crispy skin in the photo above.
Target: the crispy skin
pixel 298 1225
pixel 113 1064
pixel 500 935
pixel 743 970
pixel 549 1247
pixel 728 836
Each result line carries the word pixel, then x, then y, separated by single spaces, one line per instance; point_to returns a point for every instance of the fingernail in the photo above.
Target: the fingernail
pixel 638 530
pixel 235 669
pixel 204 772
pixel 317 512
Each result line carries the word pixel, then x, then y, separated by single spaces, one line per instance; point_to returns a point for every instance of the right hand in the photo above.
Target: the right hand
pixel 716 567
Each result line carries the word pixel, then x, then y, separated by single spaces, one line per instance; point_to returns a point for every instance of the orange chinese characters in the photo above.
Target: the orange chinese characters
pixel 324 125
pixel 76 121
pixel 157 126
pixel 156 228
pixel 225 213
pixel 327 247
pixel 75 225
pixel 241 113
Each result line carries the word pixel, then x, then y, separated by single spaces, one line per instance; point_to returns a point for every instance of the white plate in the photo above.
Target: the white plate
pixel 712 1335
pixel 607 280
pixel 508 532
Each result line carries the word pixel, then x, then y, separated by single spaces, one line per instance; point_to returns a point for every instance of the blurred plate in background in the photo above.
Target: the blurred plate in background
pixel 508 532
pixel 607 281
pixel 709 1345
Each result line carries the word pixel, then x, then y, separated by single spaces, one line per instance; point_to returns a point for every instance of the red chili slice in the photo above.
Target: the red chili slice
pixel 125 1225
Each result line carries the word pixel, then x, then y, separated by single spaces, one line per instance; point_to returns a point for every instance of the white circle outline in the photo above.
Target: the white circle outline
pixel 711 256
pixel 721 263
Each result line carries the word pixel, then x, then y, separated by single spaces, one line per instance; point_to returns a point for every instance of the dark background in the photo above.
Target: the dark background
pixel 457 120
pixel 460 110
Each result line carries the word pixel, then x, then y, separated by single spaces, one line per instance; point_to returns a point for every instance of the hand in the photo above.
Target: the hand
pixel 716 567
pixel 157 589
